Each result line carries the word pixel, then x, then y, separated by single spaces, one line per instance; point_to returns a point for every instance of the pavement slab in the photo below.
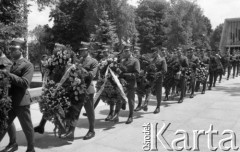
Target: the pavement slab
pixel 218 107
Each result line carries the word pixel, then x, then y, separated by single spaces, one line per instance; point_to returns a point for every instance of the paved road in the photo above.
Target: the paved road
pixel 219 107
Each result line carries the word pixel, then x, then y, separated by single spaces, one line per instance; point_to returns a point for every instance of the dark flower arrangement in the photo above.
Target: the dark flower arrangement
pixel 152 76
pixel 143 84
pixel 5 101
pixel 63 89
pixel 201 73
pixel 188 76
pixel 169 78
pixel 54 106
pixel 111 93
pixel 58 62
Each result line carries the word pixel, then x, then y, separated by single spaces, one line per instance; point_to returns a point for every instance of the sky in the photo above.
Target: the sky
pixel 215 10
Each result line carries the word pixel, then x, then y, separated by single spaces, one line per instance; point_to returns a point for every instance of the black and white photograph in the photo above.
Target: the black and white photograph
pixel 119 75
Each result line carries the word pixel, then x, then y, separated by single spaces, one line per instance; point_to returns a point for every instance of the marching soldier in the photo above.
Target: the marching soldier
pixel 20 74
pixel 193 64
pixel 140 93
pixel 131 68
pixel 238 62
pixel 229 63
pixel 205 60
pixel 90 66
pixel 219 65
pixel 169 80
pixel 183 61
pixel 161 66
pixel 234 63
pixel 212 69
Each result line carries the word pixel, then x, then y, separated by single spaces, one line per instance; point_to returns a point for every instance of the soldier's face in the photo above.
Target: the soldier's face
pixel 137 53
pixel 179 52
pixel 164 53
pixel 127 53
pixel 84 53
pixel 15 53
pixel 105 53
pixel 190 53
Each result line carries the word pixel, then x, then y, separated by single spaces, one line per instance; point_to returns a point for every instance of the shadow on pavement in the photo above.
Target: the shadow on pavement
pixel 233 90
pixel 49 141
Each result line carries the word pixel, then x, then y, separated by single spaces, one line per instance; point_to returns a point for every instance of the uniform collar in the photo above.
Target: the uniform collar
pixel 18 60
pixel 129 58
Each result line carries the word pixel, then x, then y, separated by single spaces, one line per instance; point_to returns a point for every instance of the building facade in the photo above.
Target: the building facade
pixel 230 38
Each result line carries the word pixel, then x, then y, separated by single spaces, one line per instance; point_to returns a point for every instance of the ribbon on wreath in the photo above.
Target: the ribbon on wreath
pixel 116 80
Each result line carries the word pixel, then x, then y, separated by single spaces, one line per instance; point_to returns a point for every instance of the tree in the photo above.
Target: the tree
pixel 42 43
pixel 11 20
pixel 187 25
pixel 69 22
pixel 105 31
pixel 151 23
pixel 216 37
pixel 121 13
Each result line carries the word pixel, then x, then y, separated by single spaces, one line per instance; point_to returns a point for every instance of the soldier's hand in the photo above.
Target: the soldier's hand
pixel 5 71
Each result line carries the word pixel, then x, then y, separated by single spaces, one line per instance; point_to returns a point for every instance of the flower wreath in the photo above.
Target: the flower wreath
pixel 5 101
pixel 111 93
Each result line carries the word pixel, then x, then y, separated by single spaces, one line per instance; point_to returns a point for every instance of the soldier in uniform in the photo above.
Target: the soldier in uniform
pixel 183 61
pixel 20 74
pixel 161 66
pixel 193 64
pixel 90 66
pixel 205 60
pixel 229 63
pixel 234 63
pixel 137 55
pixel 238 62
pixel 212 69
pixel 130 68
pixel 105 55
pixel 169 76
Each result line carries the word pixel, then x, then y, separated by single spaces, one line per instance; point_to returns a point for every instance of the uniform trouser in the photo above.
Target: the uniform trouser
pixel 193 81
pixel 238 69
pixel 229 69
pixel 182 86
pixel 212 77
pixel 234 70
pixel 203 83
pixel 89 107
pixel 24 117
pixel 158 88
pixel 131 100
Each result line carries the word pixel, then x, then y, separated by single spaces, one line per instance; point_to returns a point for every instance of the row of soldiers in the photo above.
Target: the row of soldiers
pixel 131 66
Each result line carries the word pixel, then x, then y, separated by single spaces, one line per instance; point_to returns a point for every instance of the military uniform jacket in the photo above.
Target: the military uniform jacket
pixel 183 61
pixel 213 63
pixel 193 62
pixel 205 60
pixel 233 60
pixel 160 64
pixel 21 74
pixel 91 65
pixel 130 69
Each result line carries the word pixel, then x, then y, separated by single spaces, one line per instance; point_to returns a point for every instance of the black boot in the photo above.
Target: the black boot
pixel 70 134
pixel 157 110
pixel 130 120
pixel 166 98
pixel 115 118
pixel 138 108
pixel 110 115
pixel 145 106
pixel 40 127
